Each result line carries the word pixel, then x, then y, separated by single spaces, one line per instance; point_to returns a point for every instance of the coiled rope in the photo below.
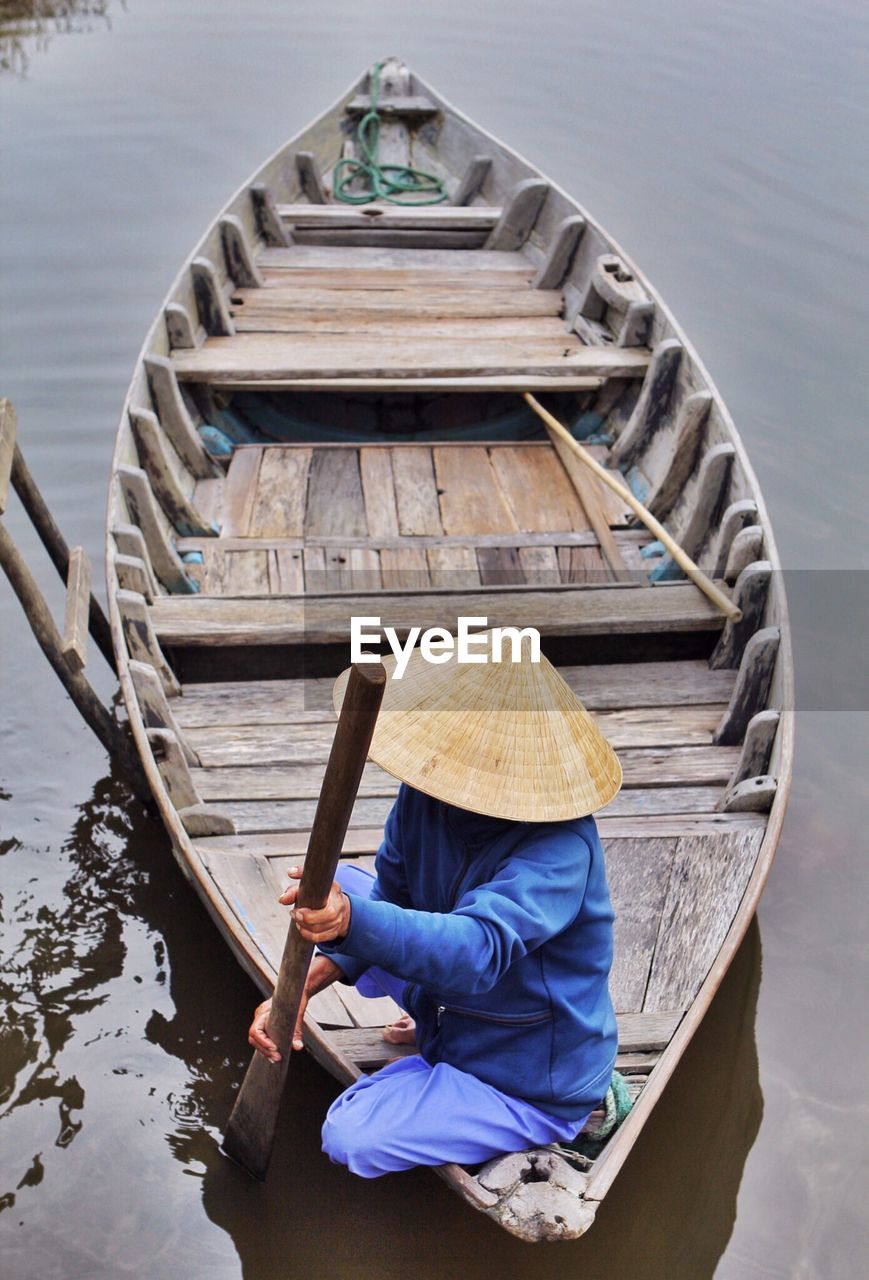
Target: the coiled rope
pixel 392 183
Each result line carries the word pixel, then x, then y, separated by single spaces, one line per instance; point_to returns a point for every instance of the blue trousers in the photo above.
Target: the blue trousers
pixel 410 1113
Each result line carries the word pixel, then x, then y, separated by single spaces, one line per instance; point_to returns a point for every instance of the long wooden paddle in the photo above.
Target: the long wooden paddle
pixel 250 1134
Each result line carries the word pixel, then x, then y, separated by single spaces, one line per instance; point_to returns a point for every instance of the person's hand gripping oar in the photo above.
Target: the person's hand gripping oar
pixel 250 1133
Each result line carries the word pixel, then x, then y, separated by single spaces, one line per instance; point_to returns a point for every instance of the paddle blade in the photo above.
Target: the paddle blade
pixel 250 1133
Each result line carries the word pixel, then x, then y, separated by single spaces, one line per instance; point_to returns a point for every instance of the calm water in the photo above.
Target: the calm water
pixel 722 145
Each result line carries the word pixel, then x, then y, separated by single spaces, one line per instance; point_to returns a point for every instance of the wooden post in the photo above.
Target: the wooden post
pixel 55 543
pixel 165 561
pixel 131 544
pixel 687 436
pixel 75 619
pixel 133 575
pixel 472 180
pixel 749 595
pixel 751 689
pixel 155 708
pixel 173 766
pixel 175 418
pixel 8 432
pixel 210 302
pixel 86 702
pixel 269 222
pixel 240 260
pixel 180 329
pixel 518 216
pixel 177 507
pixel 309 177
pixel 746 547
pixel 142 643
pixel 736 517
pixel 711 488
pixel 653 403
pixel 559 254
pixel 756 750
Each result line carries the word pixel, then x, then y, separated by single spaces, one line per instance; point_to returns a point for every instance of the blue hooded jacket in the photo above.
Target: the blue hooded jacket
pixel 503 932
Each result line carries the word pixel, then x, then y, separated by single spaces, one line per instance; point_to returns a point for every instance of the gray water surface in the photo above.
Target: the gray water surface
pixel 724 146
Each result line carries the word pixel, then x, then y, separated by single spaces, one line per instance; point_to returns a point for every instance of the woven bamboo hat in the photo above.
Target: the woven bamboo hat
pixel 507 739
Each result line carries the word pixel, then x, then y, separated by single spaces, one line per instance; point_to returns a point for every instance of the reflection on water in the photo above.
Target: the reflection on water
pixel 28 25
pixel 125 1026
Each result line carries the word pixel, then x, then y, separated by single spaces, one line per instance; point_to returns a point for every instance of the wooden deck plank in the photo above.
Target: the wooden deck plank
pixel 378 488
pixel 499 566
pixel 604 686
pixel 284 744
pixel 453 568
pixel 643 767
pixel 404 569
pixel 281 494
pixel 349 259
pixel 470 499
pixel 266 357
pixel 195 620
pixel 335 502
pixel 390 217
pixel 712 869
pixel 239 491
pixel 418 299
pixel 583 564
pixel 246 573
pixel 538 490
pixel 416 493
pixel 382 325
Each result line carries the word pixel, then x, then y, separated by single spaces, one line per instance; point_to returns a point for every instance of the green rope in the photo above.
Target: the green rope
pixel 617 1104
pixel 392 183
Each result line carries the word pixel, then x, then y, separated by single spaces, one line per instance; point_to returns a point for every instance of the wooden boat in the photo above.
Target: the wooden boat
pixel 367 360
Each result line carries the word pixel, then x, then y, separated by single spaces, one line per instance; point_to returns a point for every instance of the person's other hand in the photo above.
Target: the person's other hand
pixel 322 973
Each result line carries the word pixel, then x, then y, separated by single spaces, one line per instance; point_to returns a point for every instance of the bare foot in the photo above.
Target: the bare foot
pixel 402 1031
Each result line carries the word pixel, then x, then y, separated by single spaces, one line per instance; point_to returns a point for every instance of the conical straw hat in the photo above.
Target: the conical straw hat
pixel 507 739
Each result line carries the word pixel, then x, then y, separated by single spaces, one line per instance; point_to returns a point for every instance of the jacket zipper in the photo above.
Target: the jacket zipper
pixel 504 1020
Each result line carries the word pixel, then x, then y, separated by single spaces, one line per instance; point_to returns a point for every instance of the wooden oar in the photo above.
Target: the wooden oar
pixel 250 1134
pixel 698 577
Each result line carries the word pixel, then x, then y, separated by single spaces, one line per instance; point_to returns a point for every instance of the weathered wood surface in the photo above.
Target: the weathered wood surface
pixel 170 486
pixel 388 217
pixel 651 408
pixel 174 768
pixel 416 299
pixel 175 417
pixel 472 180
pixel 288 744
pixel 208 620
pixel 749 595
pixel 752 795
pixel 210 299
pixel 754 755
pixel 675 469
pixel 401 266
pixel 156 710
pixel 709 871
pixel 266 357
pixel 130 542
pixel 206 820
pixel 133 575
pixel 753 681
pixel 602 687
pixel 520 212
pixel 8 434
pixel 142 643
pixel 739 514
pixel 180 329
pixel 309 176
pixel 238 253
pixel 268 218
pixel 75 618
pixel 162 555
pixel 559 253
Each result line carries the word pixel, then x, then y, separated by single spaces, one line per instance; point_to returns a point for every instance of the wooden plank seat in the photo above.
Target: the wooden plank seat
pixel 296 620
pixel 286 358
pixel 389 217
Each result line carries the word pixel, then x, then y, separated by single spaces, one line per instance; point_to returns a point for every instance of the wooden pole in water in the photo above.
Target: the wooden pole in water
pixel 250 1133
pixel 684 561
pixel 56 546
pixel 95 715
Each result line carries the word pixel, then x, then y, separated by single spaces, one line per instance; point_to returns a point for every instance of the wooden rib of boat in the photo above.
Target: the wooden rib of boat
pixel 372 357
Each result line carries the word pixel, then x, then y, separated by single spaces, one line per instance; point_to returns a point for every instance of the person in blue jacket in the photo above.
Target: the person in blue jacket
pixel 488 920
